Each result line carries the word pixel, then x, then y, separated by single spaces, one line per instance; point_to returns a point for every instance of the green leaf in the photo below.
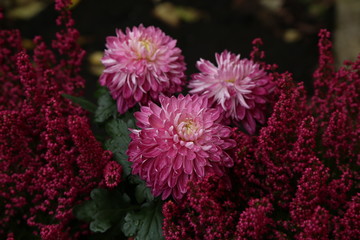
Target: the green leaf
pixel 106 218
pixel 100 197
pixel 126 165
pixel 131 225
pixel 105 209
pixel 86 211
pixel 118 146
pixel 119 142
pixel 100 226
pixel 106 108
pixel 129 118
pixel 100 91
pixel 152 225
pixel 142 192
pixel 85 104
pixel 117 127
pixel 146 223
pixel 105 199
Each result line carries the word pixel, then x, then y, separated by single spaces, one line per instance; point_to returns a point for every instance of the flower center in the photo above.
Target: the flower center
pixel 189 126
pixel 231 80
pixel 145 43
pixel 149 50
pixel 189 130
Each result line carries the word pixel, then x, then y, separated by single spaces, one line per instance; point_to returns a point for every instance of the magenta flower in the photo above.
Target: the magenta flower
pixel 238 87
pixel 179 142
pixel 141 64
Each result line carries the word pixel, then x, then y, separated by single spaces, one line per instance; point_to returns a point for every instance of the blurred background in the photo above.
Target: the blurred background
pixel 288 28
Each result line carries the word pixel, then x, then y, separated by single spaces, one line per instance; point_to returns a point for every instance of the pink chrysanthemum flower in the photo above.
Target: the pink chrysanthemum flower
pixel 238 87
pixel 179 141
pixel 140 64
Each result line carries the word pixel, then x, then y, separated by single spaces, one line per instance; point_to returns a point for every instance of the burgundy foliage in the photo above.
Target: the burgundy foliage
pixel 49 158
pixel 298 178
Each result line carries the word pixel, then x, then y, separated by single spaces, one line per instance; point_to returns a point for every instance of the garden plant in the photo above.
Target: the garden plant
pixel 238 150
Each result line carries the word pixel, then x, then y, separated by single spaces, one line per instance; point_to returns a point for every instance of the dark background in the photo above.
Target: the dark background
pixel 288 30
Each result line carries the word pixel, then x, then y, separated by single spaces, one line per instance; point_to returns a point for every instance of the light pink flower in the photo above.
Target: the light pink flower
pixel 238 87
pixel 140 64
pixel 179 141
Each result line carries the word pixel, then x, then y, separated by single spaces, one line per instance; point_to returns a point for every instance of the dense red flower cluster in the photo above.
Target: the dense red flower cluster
pixel 298 179
pixel 254 221
pixel 207 212
pixel 10 91
pixel 49 157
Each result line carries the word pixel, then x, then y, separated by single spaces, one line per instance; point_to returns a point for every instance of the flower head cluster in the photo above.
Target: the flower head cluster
pixel 238 86
pixel 112 174
pixel 179 142
pixel 140 64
